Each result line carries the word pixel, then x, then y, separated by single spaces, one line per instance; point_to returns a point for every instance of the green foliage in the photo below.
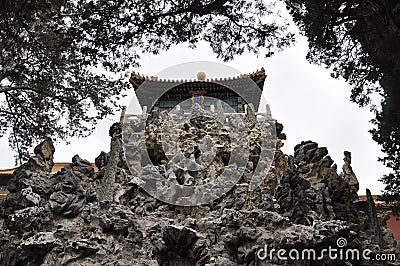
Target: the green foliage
pixel 53 54
pixel 359 40
pixel 391 193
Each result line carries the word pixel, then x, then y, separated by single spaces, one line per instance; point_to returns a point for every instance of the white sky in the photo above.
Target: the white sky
pixel 303 97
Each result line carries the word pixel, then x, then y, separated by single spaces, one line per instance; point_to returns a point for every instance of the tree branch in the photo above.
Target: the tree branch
pixel 9 113
pixel 27 112
pixel 197 8
pixel 344 20
pixel 4 89
pixel 14 133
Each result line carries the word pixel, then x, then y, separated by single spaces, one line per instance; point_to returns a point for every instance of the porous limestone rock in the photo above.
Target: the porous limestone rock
pixel 302 202
pixel 43 158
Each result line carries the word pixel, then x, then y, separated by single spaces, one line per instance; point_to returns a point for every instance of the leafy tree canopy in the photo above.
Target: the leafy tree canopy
pixel 52 51
pixel 360 41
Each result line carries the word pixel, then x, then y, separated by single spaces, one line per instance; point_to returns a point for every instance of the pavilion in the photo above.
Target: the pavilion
pixel 236 92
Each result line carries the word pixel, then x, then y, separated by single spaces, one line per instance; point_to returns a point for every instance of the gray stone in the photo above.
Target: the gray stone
pixel 179 238
pixel 68 197
pixel 59 220
pixel 101 160
pixel 30 218
pixel 82 166
pixel 40 239
pixel 42 161
pixel 347 173
pixel 30 196
pixel 251 115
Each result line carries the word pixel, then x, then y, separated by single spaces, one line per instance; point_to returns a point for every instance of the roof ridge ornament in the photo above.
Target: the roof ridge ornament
pixel 258 76
pixel 201 76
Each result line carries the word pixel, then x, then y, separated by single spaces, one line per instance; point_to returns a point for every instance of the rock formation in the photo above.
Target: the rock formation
pixel 301 203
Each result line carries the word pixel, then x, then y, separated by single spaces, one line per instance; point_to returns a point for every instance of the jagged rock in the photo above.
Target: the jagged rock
pixel 331 195
pixel 40 182
pixel 40 240
pixel 220 114
pixel 292 197
pixel 82 166
pixel 179 238
pixel 27 189
pixel 30 196
pixel 116 219
pixel 106 191
pixel 68 197
pixel 348 175
pixel 91 195
pixel 30 218
pixel 101 160
pixel 143 262
pixel 43 159
pixel 200 117
pixel 322 233
pixel 374 225
pixel 319 200
pixel 279 133
pixel 267 202
pixel 115 130
pixel 31 251
pixel 195 152
pixel 45 153
pixel 251 115
pixel 201 252
pixel 89 212
pixel 79 249
pixel 58 220
pixel 19 200
pixel 183 247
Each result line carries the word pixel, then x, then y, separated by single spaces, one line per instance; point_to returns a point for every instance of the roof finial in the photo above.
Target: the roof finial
pixel 201 76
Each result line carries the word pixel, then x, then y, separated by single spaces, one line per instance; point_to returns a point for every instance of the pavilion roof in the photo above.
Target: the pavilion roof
pixel 258 77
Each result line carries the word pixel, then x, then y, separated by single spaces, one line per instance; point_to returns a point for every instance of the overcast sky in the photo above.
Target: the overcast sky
pixel 303 97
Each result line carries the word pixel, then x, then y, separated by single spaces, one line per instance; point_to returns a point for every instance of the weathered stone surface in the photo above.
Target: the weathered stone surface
pixel 43 159
pixel 45 153
pixel 251 115
pixel 27 189
pixel 30 218
pixel 101 160
pixel 40 239
pixel 347 173
pixel 292 198
pixel 82 166
pixel 375 225
pixel 40 182
pixel 179 238
pixel 68 197
pixel 182 246
pixel 31 251
pixel 30 196
pixel 330 195
pixel 302 202
pixel 106 191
